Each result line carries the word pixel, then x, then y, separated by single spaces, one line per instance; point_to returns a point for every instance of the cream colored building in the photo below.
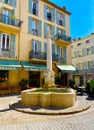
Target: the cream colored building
pixel 24 25
pixel 82 52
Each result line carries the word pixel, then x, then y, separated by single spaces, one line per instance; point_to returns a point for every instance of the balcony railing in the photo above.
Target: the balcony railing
pixel 62 37
pixel 35 32
pixel 5 53
pixel 10 21
pixel 43 56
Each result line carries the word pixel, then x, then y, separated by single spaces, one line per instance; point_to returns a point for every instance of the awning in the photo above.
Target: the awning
pixel 33 67
pixel 66 68
pixel 10 65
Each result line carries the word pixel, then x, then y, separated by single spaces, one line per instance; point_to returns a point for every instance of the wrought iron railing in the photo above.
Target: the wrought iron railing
pixel 5 53
pixel 59 36
pixel 10 21
pixel 43 56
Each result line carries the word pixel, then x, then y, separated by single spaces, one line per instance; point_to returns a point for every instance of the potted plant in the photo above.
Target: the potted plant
pixel 24 83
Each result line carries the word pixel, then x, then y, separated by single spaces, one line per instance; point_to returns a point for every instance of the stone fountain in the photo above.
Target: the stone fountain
pixel 50 98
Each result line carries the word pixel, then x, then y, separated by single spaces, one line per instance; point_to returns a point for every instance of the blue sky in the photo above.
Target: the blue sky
pixel 82 17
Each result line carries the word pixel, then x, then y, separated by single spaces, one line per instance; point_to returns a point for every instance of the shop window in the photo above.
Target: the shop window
pixel 3 76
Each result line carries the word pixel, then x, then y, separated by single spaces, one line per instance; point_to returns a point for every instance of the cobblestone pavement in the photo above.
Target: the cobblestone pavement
pixel 13 120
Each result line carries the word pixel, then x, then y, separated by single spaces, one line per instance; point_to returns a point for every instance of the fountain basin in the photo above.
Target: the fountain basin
pixel 48 99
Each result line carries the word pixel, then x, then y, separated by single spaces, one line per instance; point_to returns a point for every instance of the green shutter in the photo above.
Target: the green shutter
pixel 13 12
pixel 13 42
pixel 45 29
pixel 53 49
pixel 45 13
pixel 57 17
pixel 10 2
pixel 39 46
pixel 65 55
pixel 39 28
pixel 45 47
pixel 0 41
pixel 14 3
pixel 30 6
pixel 58 52
pixel 33 46
pixel 37 7
pixel 57 30
pixel 63 20
pixel 53 32
pixel 53 15
pixel 30 25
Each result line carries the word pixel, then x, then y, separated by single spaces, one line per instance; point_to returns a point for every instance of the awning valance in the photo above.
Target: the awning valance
pixel 10 65
pixel 66 68
pixel 33 67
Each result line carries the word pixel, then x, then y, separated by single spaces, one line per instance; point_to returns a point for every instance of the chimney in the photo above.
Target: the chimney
pixel 79 38
pixel 74 39
pixel 92 33
pixel 64 7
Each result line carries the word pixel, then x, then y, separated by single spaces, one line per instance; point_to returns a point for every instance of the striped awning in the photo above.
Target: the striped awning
pixel 66 68
pixel 33 67
pixel 10 65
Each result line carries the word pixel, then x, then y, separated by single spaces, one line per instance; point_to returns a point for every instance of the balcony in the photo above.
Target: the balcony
pixel 62 40
pixel 35 32
pixel 41 56
pixel 5 53
pixel 9 22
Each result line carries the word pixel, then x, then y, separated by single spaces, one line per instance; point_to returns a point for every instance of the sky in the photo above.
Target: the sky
pixel 82 16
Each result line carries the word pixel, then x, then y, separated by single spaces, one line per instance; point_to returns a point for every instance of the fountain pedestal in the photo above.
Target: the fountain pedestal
pixel 49 74
pixel 49 80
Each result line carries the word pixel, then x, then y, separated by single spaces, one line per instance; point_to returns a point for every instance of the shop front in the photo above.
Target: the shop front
pixel 9 74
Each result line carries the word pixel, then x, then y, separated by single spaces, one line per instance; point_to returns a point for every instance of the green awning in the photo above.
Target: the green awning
pixel 66 68
pixel 10 65
pixel 33 67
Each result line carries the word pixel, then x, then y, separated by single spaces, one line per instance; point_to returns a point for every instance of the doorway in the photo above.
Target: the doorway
pixel 34 78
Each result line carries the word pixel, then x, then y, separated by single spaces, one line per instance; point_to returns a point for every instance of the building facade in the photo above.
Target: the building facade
pixel 82 52
pixel 24 26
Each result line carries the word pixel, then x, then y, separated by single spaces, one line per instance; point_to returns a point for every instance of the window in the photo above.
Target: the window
pixel 48 11
pixel 87 41
pixel 35 7
pixel 6 16
pixel 5 45
pixel 3 76
pixel 88 51
pixel 8 2
pixel 78 44
pixel 34 27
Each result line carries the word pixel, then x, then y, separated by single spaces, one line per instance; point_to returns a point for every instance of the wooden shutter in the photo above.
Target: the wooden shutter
pixel 65 54
pixel 63 20
pixel 30 6
pixel 45 47
pixel 39 28
pixel 53 15
pixel 39 46
pixel 53 49
pixel 53 32
pixel 45 13
pixel 30 25
pixel 13 42
pixel 37 7
pixel 45 29
pixel 57 19
pixel 14 3
pixel 33 45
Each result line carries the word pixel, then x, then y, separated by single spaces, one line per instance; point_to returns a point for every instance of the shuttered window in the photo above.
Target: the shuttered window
pixel 13 42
